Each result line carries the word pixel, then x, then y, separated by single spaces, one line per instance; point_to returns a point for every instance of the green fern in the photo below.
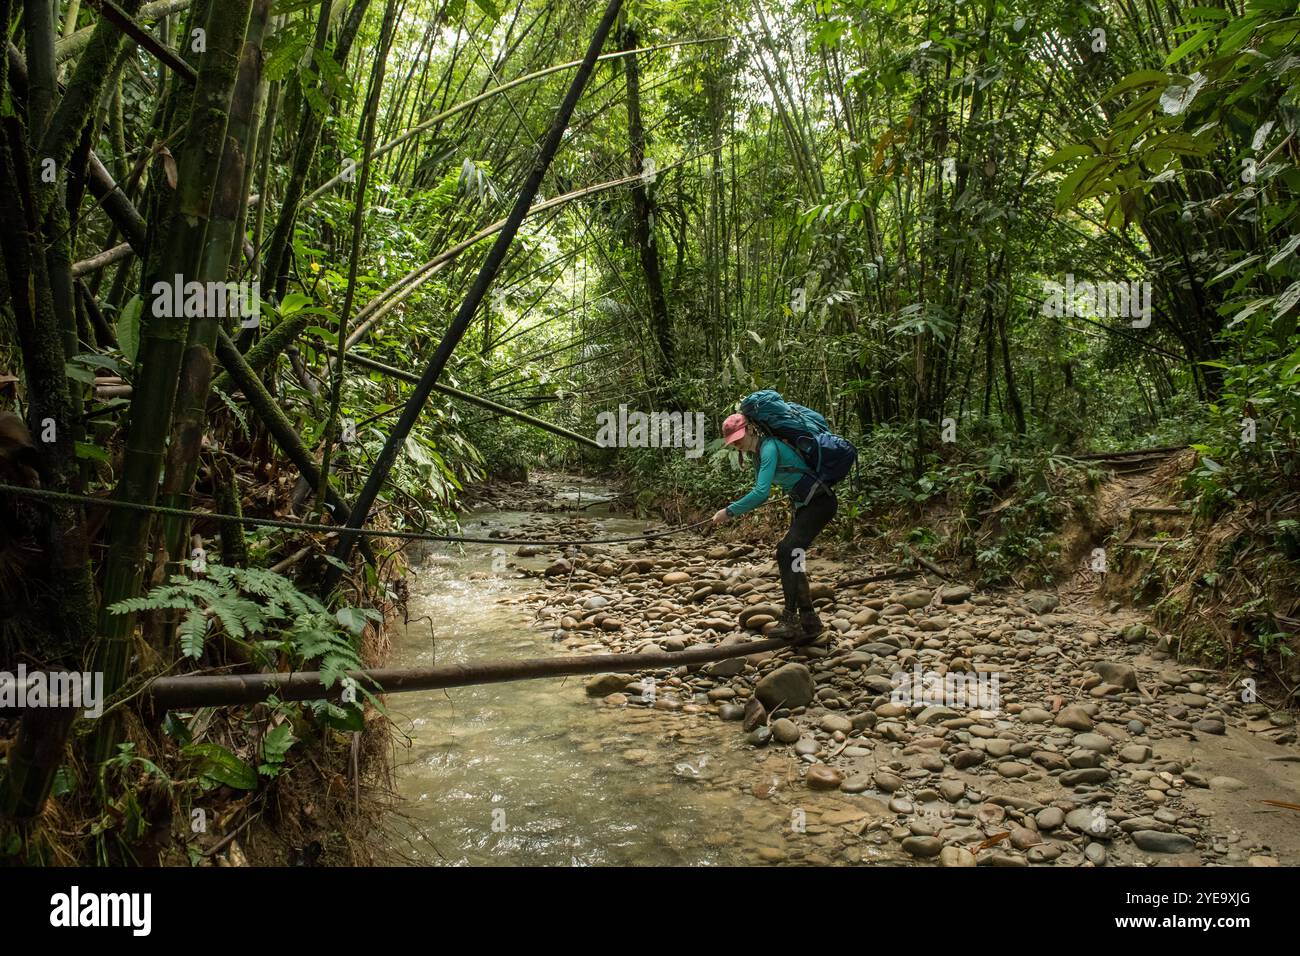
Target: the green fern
pixel 261 609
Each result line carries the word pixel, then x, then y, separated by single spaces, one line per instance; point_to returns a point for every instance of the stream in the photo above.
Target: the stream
pixel 535 772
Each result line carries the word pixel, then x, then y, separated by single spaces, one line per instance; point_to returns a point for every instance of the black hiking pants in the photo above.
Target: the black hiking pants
pixel 792 553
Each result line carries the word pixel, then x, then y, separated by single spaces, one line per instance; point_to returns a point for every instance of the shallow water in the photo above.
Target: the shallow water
pixel 535 772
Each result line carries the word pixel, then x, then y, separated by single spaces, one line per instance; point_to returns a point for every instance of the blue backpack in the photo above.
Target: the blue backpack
pixel 828 456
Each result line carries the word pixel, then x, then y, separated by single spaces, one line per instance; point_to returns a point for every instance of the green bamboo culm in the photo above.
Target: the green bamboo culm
pixel 196 372
pixel 179 252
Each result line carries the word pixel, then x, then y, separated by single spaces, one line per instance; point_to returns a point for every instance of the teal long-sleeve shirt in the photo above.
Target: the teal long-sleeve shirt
pixel 777 462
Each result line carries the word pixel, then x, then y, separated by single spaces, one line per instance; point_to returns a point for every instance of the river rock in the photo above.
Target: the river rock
pixel 956 856
pixel 915 599
pixel 789 686
pixel 1075 718
pixel 822 777
pixel 731 711
pixel 1155 841
pixel 1135 753
pixel 1087 775
pixel 923 847
pixel 785 730
pixel 602 685
pixel 834 722
pixel 1119 675
pixel 1041 602
pixel 955 594
pixel 886 781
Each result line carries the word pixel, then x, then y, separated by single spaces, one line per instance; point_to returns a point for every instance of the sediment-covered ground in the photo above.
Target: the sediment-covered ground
pixel 1097 747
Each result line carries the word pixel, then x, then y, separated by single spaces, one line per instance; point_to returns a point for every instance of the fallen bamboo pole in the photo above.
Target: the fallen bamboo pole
pixel 170 693
pixel 475 400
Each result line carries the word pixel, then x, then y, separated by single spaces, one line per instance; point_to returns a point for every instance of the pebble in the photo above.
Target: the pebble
pixel 1156 841
pixel 923 846
pixel 785 730
pixel 822 777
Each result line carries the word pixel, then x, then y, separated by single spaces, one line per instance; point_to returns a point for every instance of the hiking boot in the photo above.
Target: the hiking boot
pixel 789 628
pixel 811 624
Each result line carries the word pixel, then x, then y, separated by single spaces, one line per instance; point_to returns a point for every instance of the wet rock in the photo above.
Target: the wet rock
pixel 558 567
pixel 755 714
pixel 956 856
pixel 602 685
pixel 731 711
pixel 1022 838
pixel 789 686
pixel 923 847
pixel 822 777
pixel 785 730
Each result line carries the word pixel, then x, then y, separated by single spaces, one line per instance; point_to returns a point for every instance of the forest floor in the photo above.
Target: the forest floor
pixel 1097 746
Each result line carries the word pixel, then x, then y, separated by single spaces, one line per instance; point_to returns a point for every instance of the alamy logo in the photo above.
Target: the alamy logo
pixel 652 430
pixel 177 298
pixel 75 908
pixel 1123 300
pixel 78 690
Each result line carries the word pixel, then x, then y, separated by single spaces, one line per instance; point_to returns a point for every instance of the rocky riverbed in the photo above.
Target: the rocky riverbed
pixel 1099 748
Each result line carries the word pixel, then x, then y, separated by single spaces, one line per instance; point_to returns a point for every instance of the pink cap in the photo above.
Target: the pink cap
pixel 733 429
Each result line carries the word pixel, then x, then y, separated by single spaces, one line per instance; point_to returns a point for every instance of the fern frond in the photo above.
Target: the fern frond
pixel 192 632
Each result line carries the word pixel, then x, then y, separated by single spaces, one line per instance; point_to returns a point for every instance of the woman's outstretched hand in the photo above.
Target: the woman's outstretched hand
pixel 721 516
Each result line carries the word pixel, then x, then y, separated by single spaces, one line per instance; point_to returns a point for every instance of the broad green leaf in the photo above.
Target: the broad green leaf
pixel 1189 46
pixel 1136 81
pixel 1285 251
pixel 128 329
pixel 1235 267
pixel 219 764
pixel 292 303
pixel 1287 300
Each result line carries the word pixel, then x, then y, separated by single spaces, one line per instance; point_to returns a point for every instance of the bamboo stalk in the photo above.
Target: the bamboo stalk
pixel 487 273
pixel 162 341
pixel 476 400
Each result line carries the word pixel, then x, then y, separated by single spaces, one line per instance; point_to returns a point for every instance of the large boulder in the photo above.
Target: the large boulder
pixel 789 686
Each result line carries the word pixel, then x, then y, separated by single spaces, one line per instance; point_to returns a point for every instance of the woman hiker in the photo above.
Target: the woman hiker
pixel 779 463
